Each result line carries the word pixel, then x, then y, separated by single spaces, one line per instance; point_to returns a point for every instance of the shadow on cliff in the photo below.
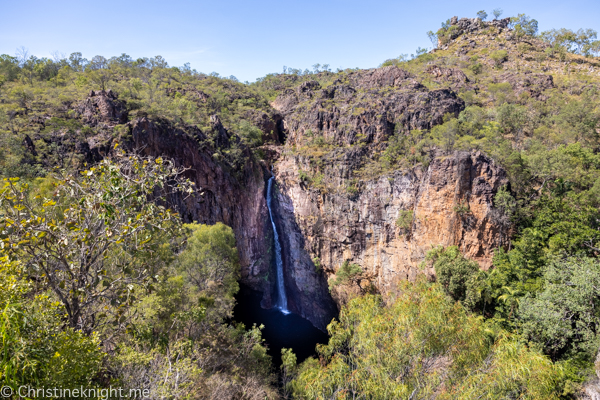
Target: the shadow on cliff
pixel 306 286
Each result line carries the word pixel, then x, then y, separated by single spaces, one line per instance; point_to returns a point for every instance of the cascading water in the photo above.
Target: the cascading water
pixel 282 301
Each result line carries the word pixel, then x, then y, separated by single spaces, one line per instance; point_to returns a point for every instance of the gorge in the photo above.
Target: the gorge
pixel 327 225
pixel 428 228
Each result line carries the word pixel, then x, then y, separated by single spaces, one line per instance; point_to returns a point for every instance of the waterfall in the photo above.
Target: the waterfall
pixel 282 301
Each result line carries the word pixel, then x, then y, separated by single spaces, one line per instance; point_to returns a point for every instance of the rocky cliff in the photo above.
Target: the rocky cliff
pixel 449 202
pixel 234 196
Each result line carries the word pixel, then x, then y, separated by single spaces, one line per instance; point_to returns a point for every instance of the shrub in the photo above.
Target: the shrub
pixel 462 208
pixel 405 219
pixel 499 56
pixel 304 177
pixel 453 271
pixel 476 68
pixel 317 262
pixel 347 273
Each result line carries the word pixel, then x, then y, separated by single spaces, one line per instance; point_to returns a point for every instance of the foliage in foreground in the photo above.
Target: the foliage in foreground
pixel 35 348
pixel 420 346
pixel 102 285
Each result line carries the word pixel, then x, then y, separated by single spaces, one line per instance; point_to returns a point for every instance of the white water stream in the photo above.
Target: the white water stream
pixel 282 301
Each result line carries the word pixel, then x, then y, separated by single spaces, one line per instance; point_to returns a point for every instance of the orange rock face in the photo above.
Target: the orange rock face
pixel 451 204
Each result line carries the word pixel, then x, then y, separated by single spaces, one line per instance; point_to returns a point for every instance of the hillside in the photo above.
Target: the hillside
pixel 471 170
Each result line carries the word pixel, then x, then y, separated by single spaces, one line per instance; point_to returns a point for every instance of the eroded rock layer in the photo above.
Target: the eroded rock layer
pixel 321 227
pixel 451 203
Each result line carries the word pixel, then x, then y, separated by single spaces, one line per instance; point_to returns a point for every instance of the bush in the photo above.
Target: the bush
pixel 405 219
pixel 499 56
pixel 462 208
pixel 346 274
pixel 453 271
pixel 317 262
pixel 564 319
pixel 476 68
pixel 102 212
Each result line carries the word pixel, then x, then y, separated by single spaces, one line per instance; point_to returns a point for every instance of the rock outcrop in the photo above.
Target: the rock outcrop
pixel 533 84
pixel 363 108
pixel 470 25
pixel 103 107
pixel 451 203
pixel 451 75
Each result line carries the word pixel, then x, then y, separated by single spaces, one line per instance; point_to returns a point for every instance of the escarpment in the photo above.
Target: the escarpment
pixel 328 221
pixel 449 203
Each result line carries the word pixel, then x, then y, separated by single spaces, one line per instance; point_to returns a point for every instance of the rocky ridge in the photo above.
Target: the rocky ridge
pixel 331 228
pixel 450 201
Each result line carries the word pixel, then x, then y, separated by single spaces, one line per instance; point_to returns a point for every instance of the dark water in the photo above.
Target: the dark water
pixel 289 331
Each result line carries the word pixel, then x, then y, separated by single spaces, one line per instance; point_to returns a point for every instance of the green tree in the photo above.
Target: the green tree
pixel 35 349
pixel 482 15
pixel 77 62
pixel 210 261
pixel 564 318
pixel 497 13
pixel 433 38
pixel 100 77
pixel 453 271
pixel 288 370
pixel 97 238
pixel 581 42
pixel 523 25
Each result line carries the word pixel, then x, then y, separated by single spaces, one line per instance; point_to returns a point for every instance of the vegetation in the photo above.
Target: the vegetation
pixel 97 276
pixel 346 273
pixel 405 219
pixel 423 345
pixel 102 284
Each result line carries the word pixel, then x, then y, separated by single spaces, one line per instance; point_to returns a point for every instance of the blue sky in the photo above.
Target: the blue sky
pixel 249 39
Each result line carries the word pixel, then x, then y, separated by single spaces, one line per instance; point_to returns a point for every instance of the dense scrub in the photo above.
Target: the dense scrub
pixel 101 284
pixel 423 345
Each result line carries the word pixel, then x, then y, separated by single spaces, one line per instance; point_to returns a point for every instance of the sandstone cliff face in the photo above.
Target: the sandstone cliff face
pixel 452 204
pixel 451 200
pixel 221 197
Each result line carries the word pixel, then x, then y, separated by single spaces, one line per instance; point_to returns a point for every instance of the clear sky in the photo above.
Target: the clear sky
pixel 249 38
